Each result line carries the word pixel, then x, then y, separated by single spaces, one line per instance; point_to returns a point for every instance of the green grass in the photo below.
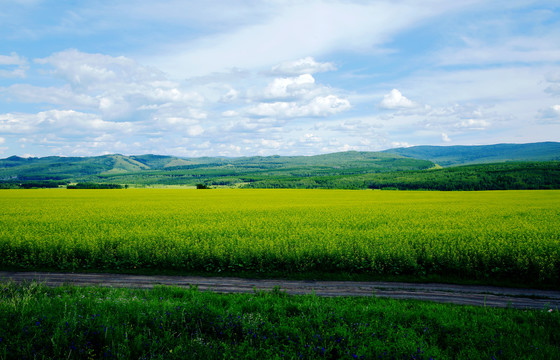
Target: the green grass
pixel 484 237
pixel 172 323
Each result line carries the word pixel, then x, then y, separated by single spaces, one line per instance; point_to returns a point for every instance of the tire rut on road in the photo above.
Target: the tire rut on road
pixel 448 293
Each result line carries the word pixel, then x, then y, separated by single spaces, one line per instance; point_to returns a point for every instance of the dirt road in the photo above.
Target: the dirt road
pixel 457 294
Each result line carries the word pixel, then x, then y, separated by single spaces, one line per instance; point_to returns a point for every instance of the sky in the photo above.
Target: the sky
pixel 274 77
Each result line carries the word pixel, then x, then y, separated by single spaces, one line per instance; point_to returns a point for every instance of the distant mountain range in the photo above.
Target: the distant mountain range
pixel 243 171
pixel 172 169
pixel 462 155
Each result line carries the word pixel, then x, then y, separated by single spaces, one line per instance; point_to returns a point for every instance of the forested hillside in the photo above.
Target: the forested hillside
pixel 405 168
pixel 168 170
pixel 498 176
pixel 462 155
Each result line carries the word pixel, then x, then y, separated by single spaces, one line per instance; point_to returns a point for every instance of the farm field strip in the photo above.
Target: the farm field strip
pixel 497 235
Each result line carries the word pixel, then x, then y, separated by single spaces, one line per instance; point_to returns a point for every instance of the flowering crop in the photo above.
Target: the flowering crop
pixel 505 235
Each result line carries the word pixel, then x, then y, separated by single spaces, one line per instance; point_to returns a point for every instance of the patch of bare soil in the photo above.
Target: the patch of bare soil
pixel 447 293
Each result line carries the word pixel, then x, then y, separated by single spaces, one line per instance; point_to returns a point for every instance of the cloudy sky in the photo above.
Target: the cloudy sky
pixel 264 77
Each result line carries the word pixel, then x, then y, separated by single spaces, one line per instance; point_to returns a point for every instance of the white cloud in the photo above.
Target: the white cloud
pixel 398 144
pixel 270 144
pixel 195 130
pixel 118 76
pixel 326 105
pixel 117 87
pixel 311 138
pixel 445 137
pixel 119 105
pixel 473 124
pixel 290 87
pixel 230 113
pixel 94 71
pixel 2 140
pixel 307 65
pixel 61 122
pixel 51 95
pixel 319 106
pixel 13 65
pixel 396 100
pixel 505 98
pixel 17 123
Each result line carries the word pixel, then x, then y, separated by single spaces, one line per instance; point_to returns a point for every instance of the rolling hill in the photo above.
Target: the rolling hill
pixel 158 169
pixel 463 155
pixel 501 166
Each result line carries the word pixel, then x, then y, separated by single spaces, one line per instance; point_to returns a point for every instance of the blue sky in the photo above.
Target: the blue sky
pixel 243 78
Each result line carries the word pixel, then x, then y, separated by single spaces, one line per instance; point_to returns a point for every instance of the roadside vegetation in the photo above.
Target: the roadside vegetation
pixel 172 323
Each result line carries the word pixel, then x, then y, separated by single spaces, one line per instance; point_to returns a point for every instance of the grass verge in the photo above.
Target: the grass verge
pixel 68 322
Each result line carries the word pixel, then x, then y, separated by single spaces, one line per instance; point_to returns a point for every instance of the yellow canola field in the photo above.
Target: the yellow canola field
pixel 512 235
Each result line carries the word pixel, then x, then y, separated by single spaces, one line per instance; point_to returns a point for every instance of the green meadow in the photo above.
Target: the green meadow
pixel 171 323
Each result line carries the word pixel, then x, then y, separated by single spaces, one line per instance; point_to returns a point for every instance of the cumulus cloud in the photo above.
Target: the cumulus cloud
pixel 307 65
pixel 326 105
pixel 117 87
pixel 115 104
pixel 396 100
pixel 292 97
pixel 13 65
pixel 176 125
pixel 290 87
pixel 319 106
pixel 445 137
pixel 195 130
pixel 94 71
pixel 113 77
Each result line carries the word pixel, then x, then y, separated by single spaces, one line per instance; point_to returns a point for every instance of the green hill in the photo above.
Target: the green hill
pixel 502 166
pixel 495 176
pixel 462 155
pixel 157 169
pixel 66 168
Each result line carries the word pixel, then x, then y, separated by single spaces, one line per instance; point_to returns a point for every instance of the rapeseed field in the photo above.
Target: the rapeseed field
pixel 511 236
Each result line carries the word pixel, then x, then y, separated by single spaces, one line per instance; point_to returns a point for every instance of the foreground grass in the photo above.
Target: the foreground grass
pixel 484 237
pixel 38 322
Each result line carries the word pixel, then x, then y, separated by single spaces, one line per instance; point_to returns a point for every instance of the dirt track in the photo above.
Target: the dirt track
pixel 457 294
